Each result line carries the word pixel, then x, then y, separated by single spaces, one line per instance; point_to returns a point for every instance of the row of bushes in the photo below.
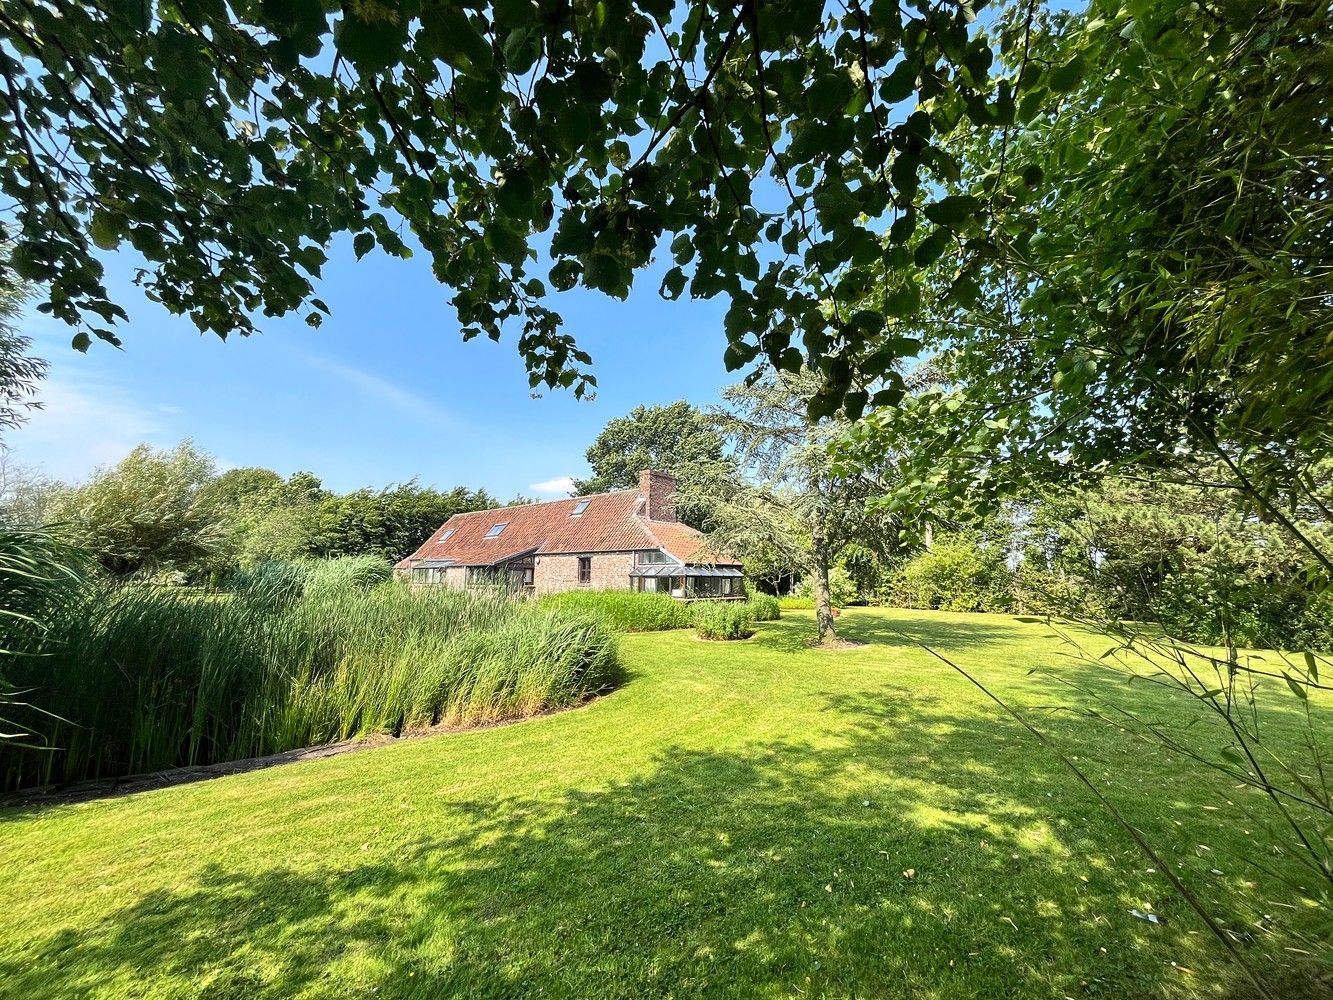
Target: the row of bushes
pixel 1195 604
pixel 631 611
pixel 137 678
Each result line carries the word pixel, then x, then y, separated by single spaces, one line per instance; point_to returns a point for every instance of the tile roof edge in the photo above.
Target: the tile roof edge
pixel 539 503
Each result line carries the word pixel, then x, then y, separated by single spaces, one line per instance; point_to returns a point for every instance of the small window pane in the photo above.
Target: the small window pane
pixel 496 529
pixel 585 569
pixel 579 508
pixel 447 535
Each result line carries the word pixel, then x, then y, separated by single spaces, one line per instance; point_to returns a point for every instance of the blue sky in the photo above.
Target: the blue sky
pixel 383 392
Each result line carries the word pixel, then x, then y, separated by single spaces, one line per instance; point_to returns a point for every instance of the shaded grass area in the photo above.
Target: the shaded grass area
pixel 737 820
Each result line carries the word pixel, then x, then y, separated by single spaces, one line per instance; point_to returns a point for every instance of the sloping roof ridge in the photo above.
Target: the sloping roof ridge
pixel 540 503
pixel 647 526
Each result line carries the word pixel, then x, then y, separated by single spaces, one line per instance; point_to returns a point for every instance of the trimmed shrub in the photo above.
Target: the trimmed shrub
pixel 765 607
pixel 724 620
pixel 625 610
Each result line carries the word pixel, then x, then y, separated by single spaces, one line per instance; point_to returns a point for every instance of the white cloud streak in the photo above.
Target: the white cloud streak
pixel 84 424
pixel 378 388
pixel 559 486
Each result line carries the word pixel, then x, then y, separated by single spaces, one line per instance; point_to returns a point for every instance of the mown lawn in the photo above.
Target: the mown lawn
pixel 753 820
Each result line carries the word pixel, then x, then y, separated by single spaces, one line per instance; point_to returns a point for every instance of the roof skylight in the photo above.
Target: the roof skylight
pixel 448 535
pixel 579 508
pixel 496 529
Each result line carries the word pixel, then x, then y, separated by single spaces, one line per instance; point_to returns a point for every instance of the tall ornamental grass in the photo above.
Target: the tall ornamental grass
pixel 138 678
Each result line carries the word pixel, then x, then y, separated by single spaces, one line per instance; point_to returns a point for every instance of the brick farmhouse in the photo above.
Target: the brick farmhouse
pixel 625 540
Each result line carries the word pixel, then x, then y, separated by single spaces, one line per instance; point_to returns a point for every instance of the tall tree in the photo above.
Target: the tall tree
pixel 390 523
pixel 768 143
pixel 788 497
pixel 667 438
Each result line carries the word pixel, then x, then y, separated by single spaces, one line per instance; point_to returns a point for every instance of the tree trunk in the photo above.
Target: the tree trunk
pixel 823 601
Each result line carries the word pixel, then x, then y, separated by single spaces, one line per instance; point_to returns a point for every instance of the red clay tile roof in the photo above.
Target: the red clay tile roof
pixel 608 524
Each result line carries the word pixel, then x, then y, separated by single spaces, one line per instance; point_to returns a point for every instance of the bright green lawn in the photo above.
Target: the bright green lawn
pixel 735 821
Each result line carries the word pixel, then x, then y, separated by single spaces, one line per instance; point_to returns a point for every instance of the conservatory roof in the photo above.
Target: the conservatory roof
pixel 676 569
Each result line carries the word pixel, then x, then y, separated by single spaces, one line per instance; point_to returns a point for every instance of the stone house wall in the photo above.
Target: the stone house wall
pixel 610 571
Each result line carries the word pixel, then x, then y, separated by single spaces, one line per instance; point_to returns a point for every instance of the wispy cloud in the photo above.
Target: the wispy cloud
pixel 83 424
pixel 559 486
pixel 381 389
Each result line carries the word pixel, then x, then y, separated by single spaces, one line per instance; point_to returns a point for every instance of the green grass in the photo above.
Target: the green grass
pixel 736 820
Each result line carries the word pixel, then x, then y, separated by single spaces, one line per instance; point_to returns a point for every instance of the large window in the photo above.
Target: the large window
pixel 428 574
pixel 712 586
pixel 652 557
pixel 585 569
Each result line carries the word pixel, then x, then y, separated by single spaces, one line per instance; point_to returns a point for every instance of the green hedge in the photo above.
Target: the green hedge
pixel 765 607
pixel 625 610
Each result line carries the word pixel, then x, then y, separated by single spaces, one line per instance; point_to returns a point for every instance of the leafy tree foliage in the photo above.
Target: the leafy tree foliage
pixel 148 513
pixel 667 438
pixel 170 512
pixel 20 371
pixel 1156 270
pixel 524 145
pixel 390 523
pixel 677 438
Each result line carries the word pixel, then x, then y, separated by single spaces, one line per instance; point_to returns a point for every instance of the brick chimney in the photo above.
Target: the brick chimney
pixel 659 490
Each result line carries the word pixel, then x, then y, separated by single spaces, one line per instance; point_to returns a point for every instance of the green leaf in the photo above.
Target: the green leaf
pixel 362 244
pixel 515 197
pixel 1297 689
pixel 673 284
pixel 1312 666
pixel 371 46
pixel 931 248
pixel 1065 78
pixel 952 210
pixel 606 274
pixel 104 230
pixel 81 342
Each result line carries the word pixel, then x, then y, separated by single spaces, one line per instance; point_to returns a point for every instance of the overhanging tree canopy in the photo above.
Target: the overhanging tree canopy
pixel 770 143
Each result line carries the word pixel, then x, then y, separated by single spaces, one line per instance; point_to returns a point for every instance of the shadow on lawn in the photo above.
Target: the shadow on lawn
pixel 784 869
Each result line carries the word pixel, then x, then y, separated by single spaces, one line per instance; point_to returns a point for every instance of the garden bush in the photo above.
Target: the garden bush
pixel 955 574
pixel 842 588
pixel 139 678
pixel 795 602
pixel 764 607
pixel 724 620
pixel 625 610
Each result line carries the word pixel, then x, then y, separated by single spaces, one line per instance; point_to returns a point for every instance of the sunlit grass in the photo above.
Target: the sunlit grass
pixel 739 819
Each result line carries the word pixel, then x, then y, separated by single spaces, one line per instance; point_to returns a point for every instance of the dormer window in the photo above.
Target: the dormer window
pixel 579 508
pixel 447 535
pixel 496 529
